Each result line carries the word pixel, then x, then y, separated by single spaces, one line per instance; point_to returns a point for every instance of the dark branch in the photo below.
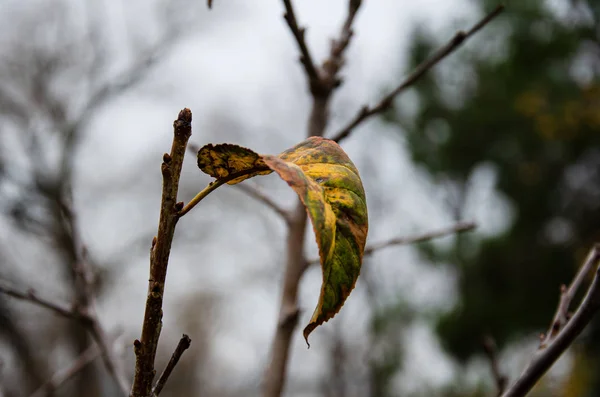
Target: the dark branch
pixel 145 347
pixel 183 345
pixel 387 101
pixel 60 377
pixel 562 338
pixel 255 193
pixel 457 228
pixel 489 346
pixel 32 296
pixel 298 32
pixel 86 297
pixel 334 63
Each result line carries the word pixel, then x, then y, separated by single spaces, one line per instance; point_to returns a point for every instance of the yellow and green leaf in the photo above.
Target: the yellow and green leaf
pixel 232 163
pixel 330 188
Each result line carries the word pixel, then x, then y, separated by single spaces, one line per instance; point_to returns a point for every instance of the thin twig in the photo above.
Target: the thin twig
pixel 489 346
pixel 460 227
pixel 255 193
pixel 298 32
pixel 387 101
pixel 566 296
pixel 61 376
pixel 145 347
pixel 183 345
pixel 86 297
pixel 32 296
pixel 334 63
pixel 547 355
pixel 212 186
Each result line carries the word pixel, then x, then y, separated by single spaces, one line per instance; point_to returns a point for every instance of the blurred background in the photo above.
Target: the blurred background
pixel 505 132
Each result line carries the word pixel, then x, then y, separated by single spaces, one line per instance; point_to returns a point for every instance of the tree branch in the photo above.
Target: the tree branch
pixel 182 346
pixel 255 193
pixel 387 101
pixel 560 339
pixel 86 298
pixel 334 63
pixel 489 346
pixel 312 74
pixel 145 347
pixel 33 297
pixel 275 374
pixel 460 227
pixel 61 376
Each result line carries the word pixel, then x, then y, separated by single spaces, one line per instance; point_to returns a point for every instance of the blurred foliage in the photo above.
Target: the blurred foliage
pixel 525 103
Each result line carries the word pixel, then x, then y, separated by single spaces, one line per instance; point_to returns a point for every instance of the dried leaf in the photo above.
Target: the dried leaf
pixel 330 188
pixel 231 162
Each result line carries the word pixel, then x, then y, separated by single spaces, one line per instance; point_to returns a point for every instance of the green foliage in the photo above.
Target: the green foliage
pixel 530 109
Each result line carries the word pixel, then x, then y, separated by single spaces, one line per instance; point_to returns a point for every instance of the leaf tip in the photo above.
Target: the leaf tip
pixel 307 331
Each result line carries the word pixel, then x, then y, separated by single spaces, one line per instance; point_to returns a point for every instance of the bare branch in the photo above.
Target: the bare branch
pixel 83 313
pixel 489 346
pixel 33 297
pixel 566 296
pixel 298 32
pixel 334 63
pixel 387 101
pixel 145 347
pixel 275 374
pixel 61 376
pixel 562 338
pixel 255 193
pixel 182 346
pixel 86 297
pixel 419 238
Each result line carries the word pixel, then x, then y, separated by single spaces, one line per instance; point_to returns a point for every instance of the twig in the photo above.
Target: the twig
pixel 298 32
pixel 385 103
pixel 322 81
pixel 334 63
pixel 145 347
pixel 61 376
pixel 562 338
pixel 85 303
pixel 212 186
pixel 84 314
pixel 183 345
pixel 32 296
pixel 255 193
pixel 566 296
pixel 457 228
pixel 489 346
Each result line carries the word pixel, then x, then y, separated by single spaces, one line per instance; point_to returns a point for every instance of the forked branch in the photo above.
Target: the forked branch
pixel 182 346
pixel 145 347
pixel 386 102
pixel 562 335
